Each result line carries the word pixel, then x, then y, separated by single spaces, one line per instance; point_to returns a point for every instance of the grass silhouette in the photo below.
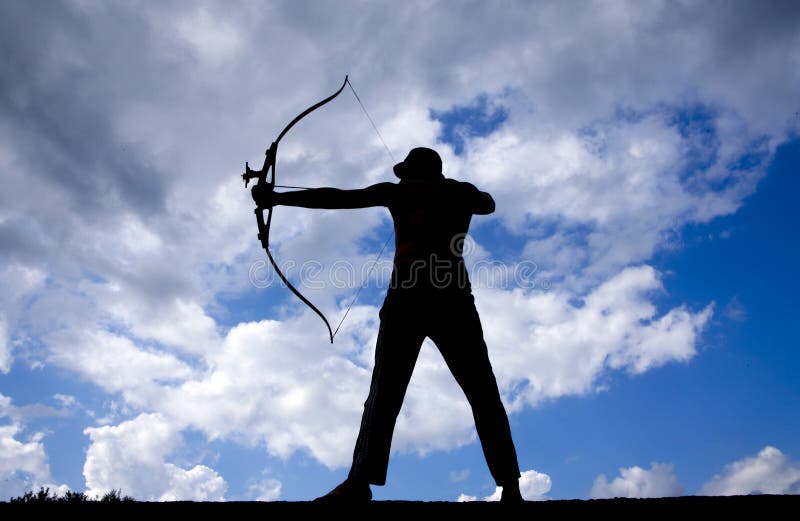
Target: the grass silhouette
pixel 45 496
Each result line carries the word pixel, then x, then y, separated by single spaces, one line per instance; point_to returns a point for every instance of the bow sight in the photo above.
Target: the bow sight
pixel 261 175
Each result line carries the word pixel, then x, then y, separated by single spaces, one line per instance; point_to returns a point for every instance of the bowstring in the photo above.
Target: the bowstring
pixel 389 238
pixel 374 127
pixel 358 292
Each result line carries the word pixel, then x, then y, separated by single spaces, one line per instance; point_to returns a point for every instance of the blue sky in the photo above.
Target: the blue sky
pixel 644 163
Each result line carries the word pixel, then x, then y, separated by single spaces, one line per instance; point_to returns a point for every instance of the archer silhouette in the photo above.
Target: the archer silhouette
pixel 429 296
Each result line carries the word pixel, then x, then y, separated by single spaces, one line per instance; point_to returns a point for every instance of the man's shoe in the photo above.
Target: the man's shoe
pixel 511 495
pixel 348 492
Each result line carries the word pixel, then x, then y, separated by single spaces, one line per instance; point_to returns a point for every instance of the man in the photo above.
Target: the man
pixel 429 296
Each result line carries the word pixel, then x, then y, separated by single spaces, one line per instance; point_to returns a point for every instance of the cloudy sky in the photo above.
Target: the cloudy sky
pixel 637 283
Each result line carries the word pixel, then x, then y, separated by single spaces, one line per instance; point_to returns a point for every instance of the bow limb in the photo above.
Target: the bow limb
pixel 272 152
pixel 264 236
pixel 264 227
pixel 300 295
pixel 309 110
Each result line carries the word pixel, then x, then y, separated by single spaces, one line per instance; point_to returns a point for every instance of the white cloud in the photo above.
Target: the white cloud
pixel 116 363
pixel 618 191
pixel 556 347
pixel 735 310
pixel 5 348
pixel 768 472
pixel 66 400
pixel 293 396
pixel 533 486
pixel 459 475
pixel 19 283
pixel 267 489
pixel 177 323
pixel 131 457
pixel 435 413
pixel 23 462
pixel 296 395
pixel 658 481
pixel 211 37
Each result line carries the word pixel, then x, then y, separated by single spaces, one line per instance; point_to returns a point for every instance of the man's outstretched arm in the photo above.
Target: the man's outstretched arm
pixel 329 198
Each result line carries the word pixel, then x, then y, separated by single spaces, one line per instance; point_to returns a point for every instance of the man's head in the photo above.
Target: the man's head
pixel 420 164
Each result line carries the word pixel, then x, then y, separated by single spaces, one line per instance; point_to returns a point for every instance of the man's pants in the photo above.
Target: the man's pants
pixel 452 322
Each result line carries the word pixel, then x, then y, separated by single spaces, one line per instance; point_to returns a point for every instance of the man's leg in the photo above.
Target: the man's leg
pixel 396 352
pixel 458 334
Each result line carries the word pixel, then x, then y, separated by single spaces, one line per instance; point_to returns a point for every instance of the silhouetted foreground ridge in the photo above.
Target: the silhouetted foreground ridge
pixel 695 506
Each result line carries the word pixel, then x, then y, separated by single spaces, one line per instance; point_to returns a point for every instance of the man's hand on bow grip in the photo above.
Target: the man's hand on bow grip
pixel 263 195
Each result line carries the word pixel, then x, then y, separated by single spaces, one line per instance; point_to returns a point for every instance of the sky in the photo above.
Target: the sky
pixel 637 283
